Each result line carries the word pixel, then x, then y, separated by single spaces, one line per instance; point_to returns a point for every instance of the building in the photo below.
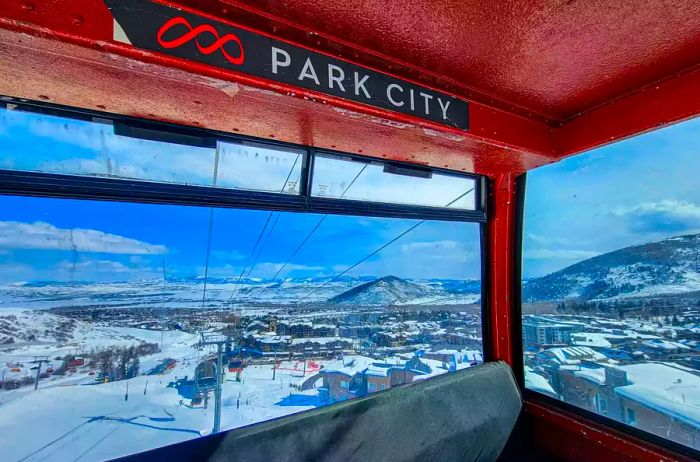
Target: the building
pixel 656 397
pixel 568 356
pixel 453 358
pixel 341 380
pixel 661 349
pixel 541 332
pixel 268 342
pixel 320 346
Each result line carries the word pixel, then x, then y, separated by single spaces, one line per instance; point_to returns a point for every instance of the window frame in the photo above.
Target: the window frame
pixel 52 185
pixel 584 416
pixel 13 182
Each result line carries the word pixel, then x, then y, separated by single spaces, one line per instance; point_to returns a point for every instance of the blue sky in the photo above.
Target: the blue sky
pixel 75 240
pixel 639 190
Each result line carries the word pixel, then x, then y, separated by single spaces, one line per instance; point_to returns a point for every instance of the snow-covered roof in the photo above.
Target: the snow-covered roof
pixel 349 365
pixel 660 344
pixel 595 375
pixel 320 340
pixel 574 355
pixel 592 339
pixel 534 381
pixel 379 370
pixel 666 389
pixel 271 338
pixel 447 351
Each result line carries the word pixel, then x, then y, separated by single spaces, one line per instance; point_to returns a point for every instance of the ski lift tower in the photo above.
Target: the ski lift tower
pixel 214 338
pixel 39 360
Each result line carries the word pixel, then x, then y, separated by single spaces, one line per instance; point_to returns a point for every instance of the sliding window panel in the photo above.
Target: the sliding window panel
pixel 349 178
pixel 115 312
pixel 98 148
pixel 611 288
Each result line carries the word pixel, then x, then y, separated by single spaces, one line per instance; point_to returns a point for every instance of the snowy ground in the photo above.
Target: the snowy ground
pixel 95 422
pixel 188 293
pixel 73 418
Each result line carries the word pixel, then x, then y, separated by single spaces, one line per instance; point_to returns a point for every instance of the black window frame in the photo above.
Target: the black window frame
pixel 52 185
pixel 115 189
pixel 518 350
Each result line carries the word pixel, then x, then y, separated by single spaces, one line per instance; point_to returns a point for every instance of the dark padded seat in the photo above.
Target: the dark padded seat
pixel 463 416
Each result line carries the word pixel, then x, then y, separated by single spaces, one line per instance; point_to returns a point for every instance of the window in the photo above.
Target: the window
pixel 116 309
pixel 611 267
pixel 602 404
pixel 348 178
pixel 120 151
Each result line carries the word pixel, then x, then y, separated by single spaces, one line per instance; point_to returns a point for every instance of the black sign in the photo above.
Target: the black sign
pixel 157 27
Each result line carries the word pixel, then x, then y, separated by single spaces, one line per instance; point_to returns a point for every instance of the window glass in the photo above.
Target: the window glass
pixel 116 322
pixel 611 288
pixel 42 143
pixel 340 177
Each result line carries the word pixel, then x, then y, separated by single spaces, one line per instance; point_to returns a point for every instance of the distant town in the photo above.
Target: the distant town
pixel 162 373
pixel 635 360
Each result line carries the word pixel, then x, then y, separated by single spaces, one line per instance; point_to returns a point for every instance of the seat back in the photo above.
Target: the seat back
pixel 467 415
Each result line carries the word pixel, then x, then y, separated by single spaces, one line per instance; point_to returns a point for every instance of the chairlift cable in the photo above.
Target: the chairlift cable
pixel 376 251
pixel 260 235
pixel 210 226
pixel 266 239
pixel 311 233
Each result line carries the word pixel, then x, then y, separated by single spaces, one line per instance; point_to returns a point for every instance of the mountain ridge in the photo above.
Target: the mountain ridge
pixel 668 266
pixel 388 290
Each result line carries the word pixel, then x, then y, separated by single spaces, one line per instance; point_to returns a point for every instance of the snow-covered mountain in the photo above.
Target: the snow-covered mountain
pixel 669 266
pixel 34 326
pixel 220 292
pixel 388 290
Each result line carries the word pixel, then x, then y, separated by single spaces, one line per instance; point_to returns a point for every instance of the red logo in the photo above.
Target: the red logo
pixel 194 32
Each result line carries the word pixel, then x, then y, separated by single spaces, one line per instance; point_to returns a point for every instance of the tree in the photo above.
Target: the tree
pixel 134 367
pixel 122 365
pixel 105 365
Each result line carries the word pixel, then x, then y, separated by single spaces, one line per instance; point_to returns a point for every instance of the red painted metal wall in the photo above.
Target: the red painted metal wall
pixel 546 79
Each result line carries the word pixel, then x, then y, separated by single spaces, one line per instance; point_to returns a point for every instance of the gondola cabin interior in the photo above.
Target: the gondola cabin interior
pixel 321 230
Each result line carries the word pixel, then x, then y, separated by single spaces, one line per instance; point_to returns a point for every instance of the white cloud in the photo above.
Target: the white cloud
pixel 424 246
pixel 550 239
pixel 333 177
pixel 228 254
pixel 562 254
pixel 339 268
pixel 270 267
pixel 94 266
pixel 45 236
pixel 240 165
pixel 99 270
pixel 422 254
pixel 260 270
pixel 16 272
pixel 680 209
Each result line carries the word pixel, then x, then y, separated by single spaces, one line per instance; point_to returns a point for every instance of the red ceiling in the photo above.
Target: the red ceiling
pixel 545 79
pixel 554 58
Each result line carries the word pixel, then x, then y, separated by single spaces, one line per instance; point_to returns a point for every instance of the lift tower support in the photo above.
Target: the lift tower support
pixel 39 360
pixel 211 338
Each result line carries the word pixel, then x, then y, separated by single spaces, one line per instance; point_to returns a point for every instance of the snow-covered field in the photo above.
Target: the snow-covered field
pixel 73 417
pixel 187 293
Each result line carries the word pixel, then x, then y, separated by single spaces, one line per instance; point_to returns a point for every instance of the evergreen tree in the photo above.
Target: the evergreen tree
pixel 134 367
